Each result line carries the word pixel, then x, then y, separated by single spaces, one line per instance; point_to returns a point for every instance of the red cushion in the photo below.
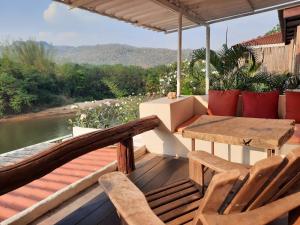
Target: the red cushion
pixel 186 123
pixel 260 105
pixel 223 103
pixel 293 106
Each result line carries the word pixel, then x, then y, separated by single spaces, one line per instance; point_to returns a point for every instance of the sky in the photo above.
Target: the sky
pixel 44 20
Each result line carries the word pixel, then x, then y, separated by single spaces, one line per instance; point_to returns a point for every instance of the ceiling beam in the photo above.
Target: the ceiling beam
pixel 177 7
pixel 250 4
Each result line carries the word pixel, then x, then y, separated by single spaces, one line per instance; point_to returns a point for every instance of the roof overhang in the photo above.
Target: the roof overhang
pixel 289 20
pixel 162 15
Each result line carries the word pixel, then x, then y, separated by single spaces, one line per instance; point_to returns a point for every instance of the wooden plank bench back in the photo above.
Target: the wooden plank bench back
pixel 283 182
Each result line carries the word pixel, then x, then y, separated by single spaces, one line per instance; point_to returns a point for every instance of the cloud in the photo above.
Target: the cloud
pixel 59 14
pixel 50 13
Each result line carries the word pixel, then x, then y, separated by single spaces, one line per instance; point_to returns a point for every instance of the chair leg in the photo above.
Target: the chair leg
pixel 196 173
pixel 294 217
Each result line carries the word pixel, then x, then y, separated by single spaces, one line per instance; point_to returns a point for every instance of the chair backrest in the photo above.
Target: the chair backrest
pixel 268 180
pixel 236 194
pixel 258 178
pixel 227 194
pixel 282 183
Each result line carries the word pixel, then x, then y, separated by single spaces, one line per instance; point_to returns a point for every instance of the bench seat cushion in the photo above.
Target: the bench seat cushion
pixel 186 123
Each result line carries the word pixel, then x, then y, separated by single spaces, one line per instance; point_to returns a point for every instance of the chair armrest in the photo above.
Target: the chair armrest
pixel 259 216
pixel 216 163
pixel 129 201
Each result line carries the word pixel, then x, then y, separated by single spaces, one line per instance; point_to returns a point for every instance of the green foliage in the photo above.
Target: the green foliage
pixel 13 95
pixel 30 80
pixel 32 54
pixel 111 113
pixel 275 29
pixel 231 64
pixel 36 82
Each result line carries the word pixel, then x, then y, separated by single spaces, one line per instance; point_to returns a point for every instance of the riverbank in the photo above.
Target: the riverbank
pixel 55 112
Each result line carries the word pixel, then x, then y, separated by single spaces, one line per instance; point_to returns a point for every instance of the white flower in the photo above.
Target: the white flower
pixel 82 116
pixel 203 70
pixel 214 72
pixel 74 107
pixel 100 105
pixel 117 104
pixel 203 61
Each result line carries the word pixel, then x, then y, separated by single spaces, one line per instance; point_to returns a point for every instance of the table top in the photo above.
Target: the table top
pixel 252 132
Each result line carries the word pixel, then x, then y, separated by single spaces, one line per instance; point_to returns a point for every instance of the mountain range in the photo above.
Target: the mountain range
pixel 116 54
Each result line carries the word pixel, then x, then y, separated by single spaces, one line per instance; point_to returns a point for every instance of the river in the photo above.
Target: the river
pixel 18 134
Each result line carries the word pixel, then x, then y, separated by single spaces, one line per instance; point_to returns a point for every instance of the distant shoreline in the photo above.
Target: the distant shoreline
pixel 55 112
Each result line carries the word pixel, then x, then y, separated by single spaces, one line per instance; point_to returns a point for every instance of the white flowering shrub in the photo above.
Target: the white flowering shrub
pixel 168 79
pixel 111 113
pixel 192 78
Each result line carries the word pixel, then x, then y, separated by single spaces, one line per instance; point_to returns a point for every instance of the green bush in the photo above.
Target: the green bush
pixel 111 113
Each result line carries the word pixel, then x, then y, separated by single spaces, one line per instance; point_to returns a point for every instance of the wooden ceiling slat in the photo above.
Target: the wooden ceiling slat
pixel 181 8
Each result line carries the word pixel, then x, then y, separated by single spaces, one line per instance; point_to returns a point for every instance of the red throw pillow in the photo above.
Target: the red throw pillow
pixel 260 105
pixel 223 103
pixel 293 105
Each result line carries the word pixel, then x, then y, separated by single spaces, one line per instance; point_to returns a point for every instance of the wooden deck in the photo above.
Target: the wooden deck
pixel 93 206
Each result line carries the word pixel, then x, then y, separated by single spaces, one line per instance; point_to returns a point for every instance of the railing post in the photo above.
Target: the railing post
pixel 125 156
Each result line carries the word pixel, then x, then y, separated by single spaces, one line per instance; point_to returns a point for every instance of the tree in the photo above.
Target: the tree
pixel 31 54
pixel 231 65
pixel 275 29
pixel 13 95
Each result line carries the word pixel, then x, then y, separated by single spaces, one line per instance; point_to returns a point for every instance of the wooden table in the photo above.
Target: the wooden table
pixel 268 134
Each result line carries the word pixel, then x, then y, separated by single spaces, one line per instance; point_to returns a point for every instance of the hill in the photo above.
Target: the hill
pixel 117 54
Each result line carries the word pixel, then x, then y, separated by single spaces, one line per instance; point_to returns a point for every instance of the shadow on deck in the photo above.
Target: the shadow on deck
pixel 93 207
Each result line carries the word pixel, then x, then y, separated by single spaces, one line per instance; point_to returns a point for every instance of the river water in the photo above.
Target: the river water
pixel 18 134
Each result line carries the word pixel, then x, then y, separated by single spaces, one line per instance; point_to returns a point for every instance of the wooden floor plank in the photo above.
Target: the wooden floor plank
pixel 170 170
pixel 152 171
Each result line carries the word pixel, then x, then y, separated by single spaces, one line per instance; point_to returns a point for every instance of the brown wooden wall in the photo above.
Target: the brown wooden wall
pixel 276 59
pixel 281 59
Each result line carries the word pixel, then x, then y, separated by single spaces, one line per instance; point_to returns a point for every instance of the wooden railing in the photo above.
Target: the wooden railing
pixel 20 173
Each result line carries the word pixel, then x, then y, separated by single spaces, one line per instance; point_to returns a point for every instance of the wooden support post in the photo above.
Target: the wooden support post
pixel 179 53
pixel 207 61
pixel 125 156
pixel 212 148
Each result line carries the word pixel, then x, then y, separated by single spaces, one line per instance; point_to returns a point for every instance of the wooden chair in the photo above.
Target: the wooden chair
pixel 236 194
